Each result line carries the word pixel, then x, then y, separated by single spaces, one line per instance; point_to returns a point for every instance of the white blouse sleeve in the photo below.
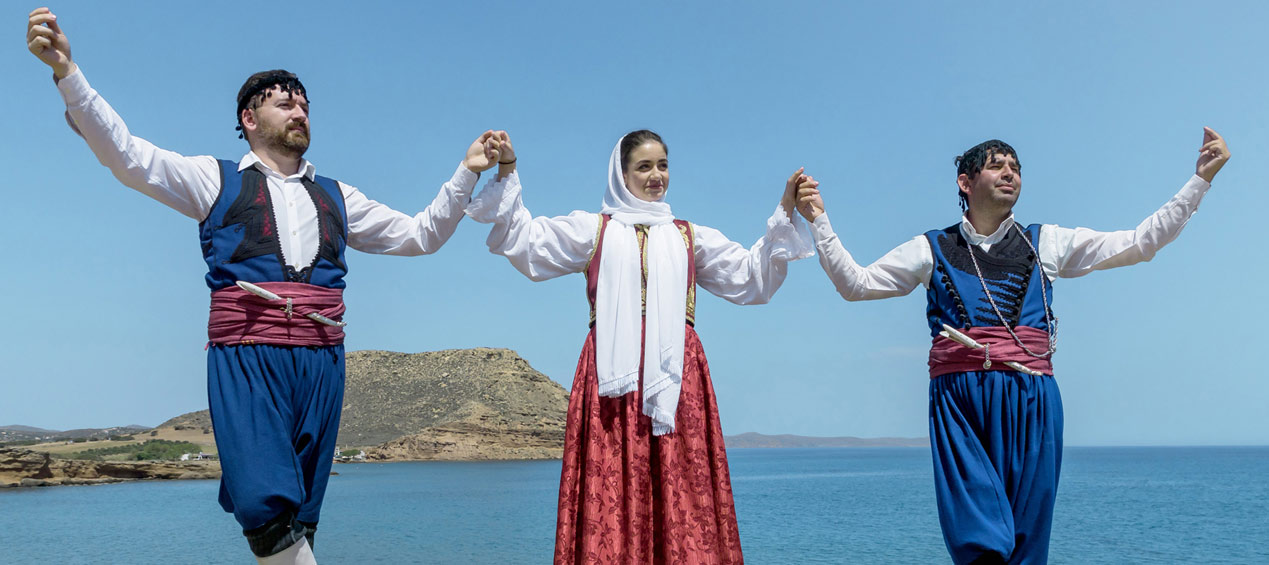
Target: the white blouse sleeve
pixel 750 276
pixel 1070 253
pixel 188 185
pixel 376 228
pixel 541 248
pixel 896 273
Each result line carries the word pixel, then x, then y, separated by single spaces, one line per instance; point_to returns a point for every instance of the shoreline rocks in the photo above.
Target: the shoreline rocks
pixel 26 468
pixel 467 442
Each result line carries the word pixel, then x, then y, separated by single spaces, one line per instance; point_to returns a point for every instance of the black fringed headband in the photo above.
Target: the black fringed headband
pixel 262 82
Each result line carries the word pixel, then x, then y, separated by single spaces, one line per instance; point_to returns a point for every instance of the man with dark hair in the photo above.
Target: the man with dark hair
pixel 995 410
pixel 273 234
pixel 972 161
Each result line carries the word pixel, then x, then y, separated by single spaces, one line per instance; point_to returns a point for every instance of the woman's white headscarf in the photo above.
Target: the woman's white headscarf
pixel 618 302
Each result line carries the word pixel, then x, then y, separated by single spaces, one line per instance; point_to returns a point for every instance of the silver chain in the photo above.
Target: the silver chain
pixel 1049 319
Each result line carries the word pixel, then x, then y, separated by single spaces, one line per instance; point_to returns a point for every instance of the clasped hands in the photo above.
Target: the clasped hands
pixel 801 192
pixel 492 148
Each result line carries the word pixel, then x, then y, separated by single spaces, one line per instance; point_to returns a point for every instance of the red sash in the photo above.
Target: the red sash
pixel 948 356
pixel 241 318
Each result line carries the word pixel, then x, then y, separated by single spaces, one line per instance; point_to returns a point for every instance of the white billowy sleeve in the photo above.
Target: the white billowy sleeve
pixel 895 274
pixel 188 185
pixel 750 276
pixel 542 248
pixel 1069 253
pixel 376 228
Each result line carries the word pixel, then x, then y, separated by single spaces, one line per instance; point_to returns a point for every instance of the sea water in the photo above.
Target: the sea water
pixel 855 505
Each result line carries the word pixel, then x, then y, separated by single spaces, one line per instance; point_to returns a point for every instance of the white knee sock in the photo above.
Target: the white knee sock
pixel 298 554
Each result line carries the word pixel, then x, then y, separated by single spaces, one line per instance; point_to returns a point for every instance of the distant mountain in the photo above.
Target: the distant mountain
pixel 103 432
pixel 28 433
pixel 752 439
pixel 25 429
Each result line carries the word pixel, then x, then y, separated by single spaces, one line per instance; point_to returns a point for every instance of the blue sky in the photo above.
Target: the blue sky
pixel 1105 103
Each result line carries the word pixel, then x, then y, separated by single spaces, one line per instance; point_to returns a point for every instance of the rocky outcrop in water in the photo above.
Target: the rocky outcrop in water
pixel 21 467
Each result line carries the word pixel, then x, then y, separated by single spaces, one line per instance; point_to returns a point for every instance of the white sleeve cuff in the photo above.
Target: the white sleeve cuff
pixel 1194 189
pixel 790 240
pixel 74 88
pixel 497 200
pixel 823 228
pixel 464 181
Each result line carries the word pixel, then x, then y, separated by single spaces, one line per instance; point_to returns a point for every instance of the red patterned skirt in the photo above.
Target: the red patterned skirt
pixel 627 496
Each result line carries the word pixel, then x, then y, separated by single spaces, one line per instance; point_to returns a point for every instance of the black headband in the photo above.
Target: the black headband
pixel 261 82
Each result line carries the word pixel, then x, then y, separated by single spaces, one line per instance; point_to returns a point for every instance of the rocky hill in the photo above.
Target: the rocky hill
pixel 28 433
pixel 25 433
pixel 190 420
pixel 458 404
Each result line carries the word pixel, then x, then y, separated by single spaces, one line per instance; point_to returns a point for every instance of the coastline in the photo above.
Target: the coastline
pixel 22 468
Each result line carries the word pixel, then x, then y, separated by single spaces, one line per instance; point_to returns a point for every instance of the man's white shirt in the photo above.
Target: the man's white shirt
pixel 1064 252
pixel 190 185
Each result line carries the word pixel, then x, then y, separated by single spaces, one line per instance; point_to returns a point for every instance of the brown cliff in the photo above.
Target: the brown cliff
pixel 459 404
pixel 21 467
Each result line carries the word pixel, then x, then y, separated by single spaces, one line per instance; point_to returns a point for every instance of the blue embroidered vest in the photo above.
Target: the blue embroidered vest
pixel 240 235
pixel 1012 273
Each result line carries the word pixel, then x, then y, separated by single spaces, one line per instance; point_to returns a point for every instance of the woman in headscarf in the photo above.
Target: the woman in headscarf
pixel 645 476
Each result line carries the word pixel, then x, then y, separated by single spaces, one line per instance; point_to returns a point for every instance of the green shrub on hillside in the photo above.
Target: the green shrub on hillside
pixel 150 450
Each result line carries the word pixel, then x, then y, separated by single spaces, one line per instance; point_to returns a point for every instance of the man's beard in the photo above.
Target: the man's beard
pixel 285 140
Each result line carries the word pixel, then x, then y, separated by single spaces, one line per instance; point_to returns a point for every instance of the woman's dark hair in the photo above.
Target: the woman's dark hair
pixel 259 87
pixel 971 162
pixel 635 139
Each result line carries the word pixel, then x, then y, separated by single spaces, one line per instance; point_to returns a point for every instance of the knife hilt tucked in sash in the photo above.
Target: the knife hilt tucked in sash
pixel 290 304
pixel 276 313
pixel 975 349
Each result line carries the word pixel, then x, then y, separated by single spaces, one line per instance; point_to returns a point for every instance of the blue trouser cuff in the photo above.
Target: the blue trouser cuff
pixel 277 534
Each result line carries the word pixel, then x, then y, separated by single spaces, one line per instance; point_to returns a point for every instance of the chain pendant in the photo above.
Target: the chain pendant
pixel 1048 314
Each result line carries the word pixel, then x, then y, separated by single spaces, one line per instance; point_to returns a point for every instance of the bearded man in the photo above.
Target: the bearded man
pixel 273 234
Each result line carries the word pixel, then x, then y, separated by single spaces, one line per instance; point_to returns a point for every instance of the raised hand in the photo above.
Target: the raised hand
pixel 794 190
pixel 810 203
pixel 483 153
pixel 1212 155
pixel 47 42
pixel 788 201
pixel 506 154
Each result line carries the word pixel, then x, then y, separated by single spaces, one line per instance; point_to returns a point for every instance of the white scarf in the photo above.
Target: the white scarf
pixel 617 302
